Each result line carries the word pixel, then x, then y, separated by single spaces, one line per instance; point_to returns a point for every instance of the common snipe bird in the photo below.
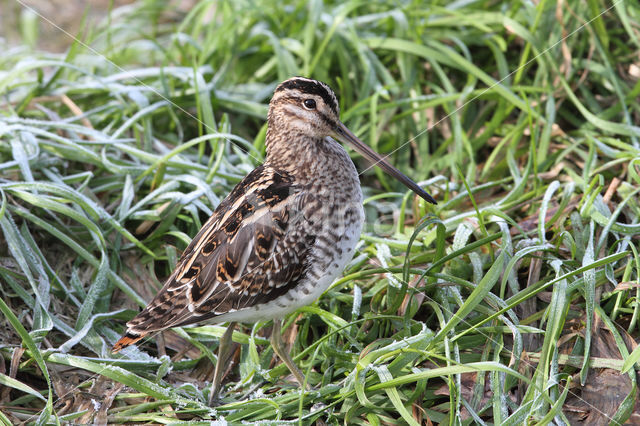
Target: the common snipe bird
pixel 283 234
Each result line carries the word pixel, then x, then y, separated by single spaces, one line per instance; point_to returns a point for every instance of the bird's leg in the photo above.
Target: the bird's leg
pixel 283 354
pixel 223 349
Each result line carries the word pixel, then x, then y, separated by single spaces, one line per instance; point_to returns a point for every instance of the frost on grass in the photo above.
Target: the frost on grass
pixel 96 404
pixel 383 253
pixel 259 393
pixel 357 301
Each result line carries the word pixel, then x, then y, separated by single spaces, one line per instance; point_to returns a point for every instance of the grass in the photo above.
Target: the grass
pixel 514 300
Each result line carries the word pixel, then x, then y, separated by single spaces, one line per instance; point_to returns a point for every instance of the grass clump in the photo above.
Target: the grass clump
pixel 514 300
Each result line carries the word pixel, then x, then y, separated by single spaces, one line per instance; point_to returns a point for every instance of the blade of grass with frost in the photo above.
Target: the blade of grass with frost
pixel 123 376
pixel 35 354
pixel 627 406
pixel 394 396
pixel 556 313
pixel 25 259
pixel 590 301
pixel 476 296
pixel 16 384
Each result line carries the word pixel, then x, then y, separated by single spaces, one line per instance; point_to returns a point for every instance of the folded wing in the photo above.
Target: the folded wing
pixel 253 249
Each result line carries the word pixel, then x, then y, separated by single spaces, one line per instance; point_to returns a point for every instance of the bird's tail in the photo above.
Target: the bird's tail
pixel 129 338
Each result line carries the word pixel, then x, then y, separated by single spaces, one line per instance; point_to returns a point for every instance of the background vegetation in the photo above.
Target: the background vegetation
pixel 514 300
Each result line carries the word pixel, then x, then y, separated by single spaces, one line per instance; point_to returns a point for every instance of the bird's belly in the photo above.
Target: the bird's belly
pixel 329 258
pixel 323 273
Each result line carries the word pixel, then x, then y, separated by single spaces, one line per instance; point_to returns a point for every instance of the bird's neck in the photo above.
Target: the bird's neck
pixel 309 159
pixel 289 150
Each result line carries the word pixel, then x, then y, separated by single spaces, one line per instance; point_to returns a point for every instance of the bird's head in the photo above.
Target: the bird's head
pixel 306 109
pixel 304 106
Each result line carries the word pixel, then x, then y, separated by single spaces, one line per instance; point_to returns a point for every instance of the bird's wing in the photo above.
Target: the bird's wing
pixel 253 249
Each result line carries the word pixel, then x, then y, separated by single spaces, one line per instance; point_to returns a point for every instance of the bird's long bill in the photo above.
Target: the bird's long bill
pixel 344 135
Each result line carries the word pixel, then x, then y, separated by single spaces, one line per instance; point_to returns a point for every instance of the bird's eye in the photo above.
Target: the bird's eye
pixel 309 104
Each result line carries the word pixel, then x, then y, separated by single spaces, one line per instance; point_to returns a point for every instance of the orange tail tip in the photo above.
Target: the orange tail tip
pixel 128 339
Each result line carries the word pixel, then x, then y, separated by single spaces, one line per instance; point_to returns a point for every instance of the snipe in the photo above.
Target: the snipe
pixel 282 235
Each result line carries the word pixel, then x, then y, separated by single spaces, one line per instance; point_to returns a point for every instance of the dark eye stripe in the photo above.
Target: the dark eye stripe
pixel 311 87
pixel 324 117
pixel 297 100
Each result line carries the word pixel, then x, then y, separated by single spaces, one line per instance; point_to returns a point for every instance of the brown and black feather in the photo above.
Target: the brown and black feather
pixel 252 250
